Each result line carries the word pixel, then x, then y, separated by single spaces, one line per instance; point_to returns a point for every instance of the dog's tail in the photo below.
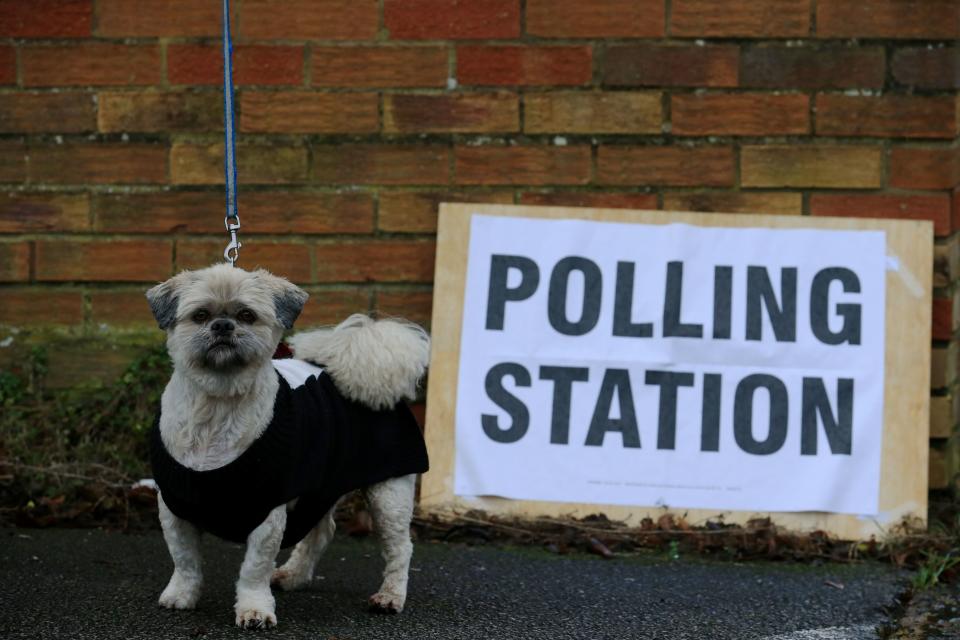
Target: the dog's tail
pixel 374 362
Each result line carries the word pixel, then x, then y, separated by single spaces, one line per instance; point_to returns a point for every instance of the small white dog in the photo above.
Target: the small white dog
pixel 259 451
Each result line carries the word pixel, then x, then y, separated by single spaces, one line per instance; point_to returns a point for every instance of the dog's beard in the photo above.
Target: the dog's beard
pixel 226 354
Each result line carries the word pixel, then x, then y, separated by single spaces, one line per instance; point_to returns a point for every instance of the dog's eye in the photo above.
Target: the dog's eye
pixel 247 316
pixel 201 316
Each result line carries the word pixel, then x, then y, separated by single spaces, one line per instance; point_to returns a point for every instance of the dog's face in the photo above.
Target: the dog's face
pixel 222 319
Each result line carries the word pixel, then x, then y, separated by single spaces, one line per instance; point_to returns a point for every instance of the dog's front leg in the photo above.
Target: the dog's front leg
pixel 255 604
pixel 183 541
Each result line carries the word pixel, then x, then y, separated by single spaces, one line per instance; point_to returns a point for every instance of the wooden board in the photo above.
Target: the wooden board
pixel 904 460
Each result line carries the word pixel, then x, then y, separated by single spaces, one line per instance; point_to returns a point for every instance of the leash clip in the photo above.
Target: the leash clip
pixel 232 252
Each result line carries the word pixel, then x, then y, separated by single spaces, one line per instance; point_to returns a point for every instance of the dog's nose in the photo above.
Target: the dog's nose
pixel 222 327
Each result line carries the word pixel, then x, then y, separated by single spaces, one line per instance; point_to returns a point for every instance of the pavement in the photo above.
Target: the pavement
pixel 65 584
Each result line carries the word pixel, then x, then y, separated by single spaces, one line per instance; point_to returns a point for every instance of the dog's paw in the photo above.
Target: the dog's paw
pixel 256 619
pixel 180 593
pixel 255 609
pixel 383 602
pixel 289 579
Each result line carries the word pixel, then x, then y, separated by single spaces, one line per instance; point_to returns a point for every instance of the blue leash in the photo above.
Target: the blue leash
pixel 232 219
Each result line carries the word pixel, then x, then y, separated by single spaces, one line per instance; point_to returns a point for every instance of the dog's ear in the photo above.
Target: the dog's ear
pixel 164 298
pixel 288 298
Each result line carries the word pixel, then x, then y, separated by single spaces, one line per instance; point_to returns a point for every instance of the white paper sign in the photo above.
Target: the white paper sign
pixel 691 367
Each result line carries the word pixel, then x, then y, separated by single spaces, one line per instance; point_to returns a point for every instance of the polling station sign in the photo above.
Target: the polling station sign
pixel 671 363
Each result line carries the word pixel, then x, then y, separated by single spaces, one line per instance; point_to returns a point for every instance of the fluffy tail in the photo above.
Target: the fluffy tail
pixel 374 362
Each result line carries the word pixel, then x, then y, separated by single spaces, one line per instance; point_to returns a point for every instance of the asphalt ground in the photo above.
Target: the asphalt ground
pixel 66 584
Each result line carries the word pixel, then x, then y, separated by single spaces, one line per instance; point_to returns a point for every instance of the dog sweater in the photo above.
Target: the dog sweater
pixel 318 446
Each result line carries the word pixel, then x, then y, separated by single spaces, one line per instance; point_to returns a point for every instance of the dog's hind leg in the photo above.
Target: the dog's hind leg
pixel 183 541
pixel 255 604
pixel 297 571
pixel 391 505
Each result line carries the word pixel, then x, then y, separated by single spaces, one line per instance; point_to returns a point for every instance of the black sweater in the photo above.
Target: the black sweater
pixel 318 447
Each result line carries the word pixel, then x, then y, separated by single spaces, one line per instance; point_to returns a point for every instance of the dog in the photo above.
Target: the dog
pixel 259 451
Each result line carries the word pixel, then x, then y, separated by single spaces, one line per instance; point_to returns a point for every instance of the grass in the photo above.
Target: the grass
pixel 933 568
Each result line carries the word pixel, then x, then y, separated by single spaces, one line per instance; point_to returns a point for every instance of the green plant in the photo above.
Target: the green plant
pixel 933 567
pixel 673 550
pixel 57 445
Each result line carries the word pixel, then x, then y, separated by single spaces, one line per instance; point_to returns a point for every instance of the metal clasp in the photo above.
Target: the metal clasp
pixel 232 252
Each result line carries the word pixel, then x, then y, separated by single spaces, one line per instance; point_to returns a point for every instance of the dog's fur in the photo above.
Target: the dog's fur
pixel 220 399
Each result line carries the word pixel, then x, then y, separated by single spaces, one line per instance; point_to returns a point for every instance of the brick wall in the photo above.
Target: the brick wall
pixel 357 117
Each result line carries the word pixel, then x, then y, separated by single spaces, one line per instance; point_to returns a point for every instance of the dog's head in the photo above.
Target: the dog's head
pixel 223 319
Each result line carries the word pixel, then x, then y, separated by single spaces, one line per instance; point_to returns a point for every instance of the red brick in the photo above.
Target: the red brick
pixel 197 163
pixel 825 166
pixel 30 307
pixel 924 19
pixel 14 261
pixel 328 306
pixel 416 211
pixel 946 269
pixel 308 212
pixel 159 112
pixel 252 64
pixel 451 19
pixel 740 18
pixel 886 116
pixel 159 212
pixel 27 212
pixel 375 67
pixel 158 18
pixel 923 168
pixel 13 161
pixel 742 114
pixel 512 65
pixel 830 67
pixel 45 18
pixel 308 112
pixel 376 261
pixel 99 163
pixel 292 261
pixel 197 64
pixel 943 319
pixel 587 113
pixel 308 19
pixel 120 308
pixel 68 112
pixel 262 212
pixel 925 68
pixel 766 202
pixel 678 166
pixel 651 65
pixel 90 63
pixel 955 206
pixel 461 113
pixel 596 19
pixel 419 411
pixel 594 199
pixel 268 65
pixel 416 306
pixel 8 65
pixel 103 260
pixel 381 164
pixel 527 165
pixel 935 208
